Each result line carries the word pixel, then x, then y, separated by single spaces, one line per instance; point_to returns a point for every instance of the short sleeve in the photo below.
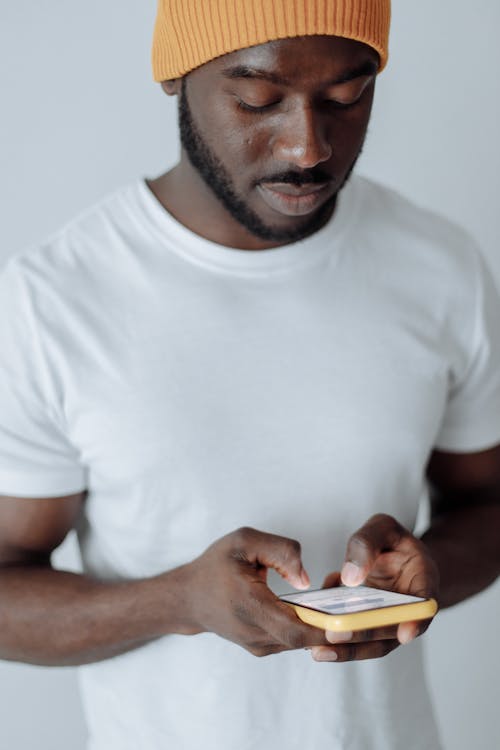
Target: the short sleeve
pixel 36 458
pixel 472 418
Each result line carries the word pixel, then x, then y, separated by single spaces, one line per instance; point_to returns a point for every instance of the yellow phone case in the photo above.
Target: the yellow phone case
pixel 368 619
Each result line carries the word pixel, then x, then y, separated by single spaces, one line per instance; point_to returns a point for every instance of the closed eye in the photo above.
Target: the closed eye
pixel 336 104
pixel 332 103
pixel 251 108
pixel 349 94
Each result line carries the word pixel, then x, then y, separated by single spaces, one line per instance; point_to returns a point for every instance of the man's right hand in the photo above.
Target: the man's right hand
pixel 57 618
pixel 228 593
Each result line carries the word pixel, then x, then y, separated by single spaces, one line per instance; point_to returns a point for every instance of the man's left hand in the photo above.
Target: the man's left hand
pixel 385 555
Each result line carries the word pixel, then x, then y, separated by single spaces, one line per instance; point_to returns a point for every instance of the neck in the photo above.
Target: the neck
pixel 184 194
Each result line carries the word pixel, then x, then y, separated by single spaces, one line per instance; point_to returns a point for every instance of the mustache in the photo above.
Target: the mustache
pixel 307 177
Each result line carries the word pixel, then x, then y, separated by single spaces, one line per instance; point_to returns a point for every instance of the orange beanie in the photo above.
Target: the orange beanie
pixel 189 33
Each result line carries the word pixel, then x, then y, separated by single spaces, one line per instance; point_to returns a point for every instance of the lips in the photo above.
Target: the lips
pixel 293 200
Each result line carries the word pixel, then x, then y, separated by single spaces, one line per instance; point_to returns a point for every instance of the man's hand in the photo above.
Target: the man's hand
pixel 227 593
pixel 383 554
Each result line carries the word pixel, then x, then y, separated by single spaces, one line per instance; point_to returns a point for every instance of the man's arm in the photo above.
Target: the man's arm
pixel 458 556
pixel 51 617
pixel 464 533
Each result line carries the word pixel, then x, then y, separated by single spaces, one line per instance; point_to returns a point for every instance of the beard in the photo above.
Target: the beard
pixel 218 179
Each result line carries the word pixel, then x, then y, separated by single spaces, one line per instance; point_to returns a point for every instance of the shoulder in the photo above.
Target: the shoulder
pixel 87 244
pixel 398 214
pixel 416 237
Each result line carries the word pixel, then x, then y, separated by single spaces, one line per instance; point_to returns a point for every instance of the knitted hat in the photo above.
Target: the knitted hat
pixel 189 33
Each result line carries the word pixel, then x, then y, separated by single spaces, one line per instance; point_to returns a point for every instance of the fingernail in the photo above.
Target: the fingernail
pixel 405 635
pixel 405 639
pixel 324 654
pixel 306 581
pixel 338 637
pixel 351 574
pixel 302 581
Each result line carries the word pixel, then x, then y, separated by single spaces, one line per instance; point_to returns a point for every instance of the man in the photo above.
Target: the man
pixel 252 341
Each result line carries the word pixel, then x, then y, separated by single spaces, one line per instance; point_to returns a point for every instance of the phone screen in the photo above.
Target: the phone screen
pixel 344 600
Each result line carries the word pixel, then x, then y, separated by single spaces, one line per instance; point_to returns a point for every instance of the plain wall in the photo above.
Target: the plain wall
pixel 79 116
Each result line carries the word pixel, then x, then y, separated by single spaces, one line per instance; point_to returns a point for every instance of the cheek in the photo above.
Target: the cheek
pixel 256 150
pixel 245 151
pixel 348 130
pixel 348 135
pixel 234 142
pixel 247 141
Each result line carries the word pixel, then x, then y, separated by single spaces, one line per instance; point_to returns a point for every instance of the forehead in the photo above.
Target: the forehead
pixel 307 59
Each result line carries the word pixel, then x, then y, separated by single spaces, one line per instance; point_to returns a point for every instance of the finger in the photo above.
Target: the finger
pixel 354 651
pixel 380 533
pixel 282 626
pixel 264 649
pixel 260 549
pixel 405 632
pixel 332 581
pixel 390 632
pixel 408 631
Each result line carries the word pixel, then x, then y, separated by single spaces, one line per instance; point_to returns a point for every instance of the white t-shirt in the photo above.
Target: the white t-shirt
pixel 193 388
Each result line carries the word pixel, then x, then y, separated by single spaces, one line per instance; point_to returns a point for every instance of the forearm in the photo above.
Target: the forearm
pixel 465 545
pixel 55 618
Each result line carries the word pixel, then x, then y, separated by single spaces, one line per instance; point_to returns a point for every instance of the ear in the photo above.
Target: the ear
pixel 172 87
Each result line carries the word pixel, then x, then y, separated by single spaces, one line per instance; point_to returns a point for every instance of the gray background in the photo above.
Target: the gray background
pixel 81 116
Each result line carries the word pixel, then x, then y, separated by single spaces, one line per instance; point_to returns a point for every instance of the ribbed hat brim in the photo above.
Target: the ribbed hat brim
pixel 189 33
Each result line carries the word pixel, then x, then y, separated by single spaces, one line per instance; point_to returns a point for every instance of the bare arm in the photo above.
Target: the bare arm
pixel 464 534
pixel 456 558
pixel 51 617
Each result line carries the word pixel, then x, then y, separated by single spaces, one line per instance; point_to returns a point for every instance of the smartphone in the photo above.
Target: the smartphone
pixel 347 608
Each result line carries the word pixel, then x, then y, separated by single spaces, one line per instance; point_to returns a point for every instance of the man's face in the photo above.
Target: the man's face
pixel 275 130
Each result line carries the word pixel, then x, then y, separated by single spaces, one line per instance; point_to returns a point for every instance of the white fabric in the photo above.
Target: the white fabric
pixel 194 388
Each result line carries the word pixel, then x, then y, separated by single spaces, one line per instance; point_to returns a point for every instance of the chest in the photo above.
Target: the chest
pixel 298 414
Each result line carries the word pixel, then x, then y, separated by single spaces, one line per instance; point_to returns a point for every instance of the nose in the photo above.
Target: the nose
pixel 301 138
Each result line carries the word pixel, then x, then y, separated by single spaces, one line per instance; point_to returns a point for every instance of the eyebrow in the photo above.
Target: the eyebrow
pixel 368 68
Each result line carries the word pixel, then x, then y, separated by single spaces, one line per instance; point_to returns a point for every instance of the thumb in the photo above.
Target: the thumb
pixel 380 533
